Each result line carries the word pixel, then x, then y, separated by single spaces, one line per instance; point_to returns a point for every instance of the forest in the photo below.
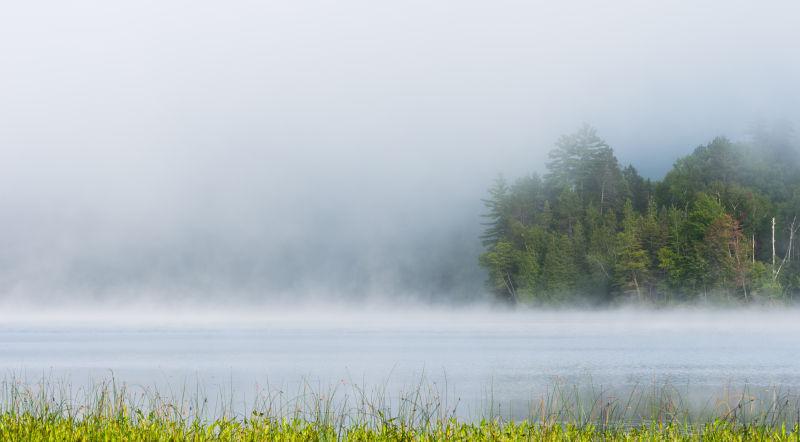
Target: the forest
pixel 720 226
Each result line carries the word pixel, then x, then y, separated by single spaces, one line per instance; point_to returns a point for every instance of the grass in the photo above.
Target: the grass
pixel 107 410
pixel 32 428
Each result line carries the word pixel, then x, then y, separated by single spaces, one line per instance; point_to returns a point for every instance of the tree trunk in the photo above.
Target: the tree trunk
pixel 774 275
pixel 792 231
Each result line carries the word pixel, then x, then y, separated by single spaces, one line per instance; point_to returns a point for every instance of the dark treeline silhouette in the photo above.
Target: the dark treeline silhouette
pixel 720 224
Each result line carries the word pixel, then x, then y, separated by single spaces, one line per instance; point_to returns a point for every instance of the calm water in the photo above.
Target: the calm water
pixel 469 354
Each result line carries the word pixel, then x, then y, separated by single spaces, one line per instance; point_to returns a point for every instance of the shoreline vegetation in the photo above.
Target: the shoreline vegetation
pixel 109 410
pixel 719 227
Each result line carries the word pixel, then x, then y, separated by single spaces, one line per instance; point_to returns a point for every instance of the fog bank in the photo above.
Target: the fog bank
pixel 336 149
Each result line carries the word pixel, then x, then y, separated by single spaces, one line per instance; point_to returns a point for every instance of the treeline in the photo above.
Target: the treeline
pixel 720 224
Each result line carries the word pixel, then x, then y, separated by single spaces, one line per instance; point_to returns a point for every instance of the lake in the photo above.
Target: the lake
pixel 472 355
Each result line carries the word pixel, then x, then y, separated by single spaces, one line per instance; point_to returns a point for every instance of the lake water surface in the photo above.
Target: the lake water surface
pixel 469 354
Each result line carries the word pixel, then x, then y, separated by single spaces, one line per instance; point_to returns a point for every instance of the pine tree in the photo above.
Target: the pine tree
pixel 502 264
pixel 559 272
pixel 498 213
pixel 582 162
pixel 631 267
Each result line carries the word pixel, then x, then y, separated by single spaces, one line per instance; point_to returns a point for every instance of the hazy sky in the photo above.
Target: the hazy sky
pixel 337 145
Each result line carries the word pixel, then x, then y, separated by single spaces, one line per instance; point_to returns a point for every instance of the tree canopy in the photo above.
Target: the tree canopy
pixel 591 230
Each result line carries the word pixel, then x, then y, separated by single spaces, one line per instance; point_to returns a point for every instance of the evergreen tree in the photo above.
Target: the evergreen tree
pixel 498 213
pixel 502 263
pixel 639 188
pixel 559 272
pixel 591 229
pixel 631 267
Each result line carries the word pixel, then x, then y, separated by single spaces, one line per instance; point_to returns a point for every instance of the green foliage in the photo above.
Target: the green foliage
pixel 583 163
pixel 659 412
pixel 503 264
pixel 632 266
pixel 559 270
pixel 592 230
pixel 498 206
pixel 32 428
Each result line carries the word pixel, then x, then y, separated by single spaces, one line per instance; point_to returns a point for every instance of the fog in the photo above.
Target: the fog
pixel 336 149
pixel 470 355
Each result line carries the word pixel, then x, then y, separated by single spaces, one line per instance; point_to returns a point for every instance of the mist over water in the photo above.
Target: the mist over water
pixel 474 355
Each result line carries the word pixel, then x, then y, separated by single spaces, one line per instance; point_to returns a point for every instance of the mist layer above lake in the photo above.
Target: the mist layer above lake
pixel 512 356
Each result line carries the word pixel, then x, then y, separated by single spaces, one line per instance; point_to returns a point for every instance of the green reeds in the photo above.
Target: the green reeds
pixel 51 410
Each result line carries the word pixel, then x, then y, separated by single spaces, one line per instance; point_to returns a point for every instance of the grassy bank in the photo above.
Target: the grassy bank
pixel 52 411
pixel 149 428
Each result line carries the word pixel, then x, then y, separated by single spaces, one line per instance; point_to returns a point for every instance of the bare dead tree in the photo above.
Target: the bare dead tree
pixel 792 230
